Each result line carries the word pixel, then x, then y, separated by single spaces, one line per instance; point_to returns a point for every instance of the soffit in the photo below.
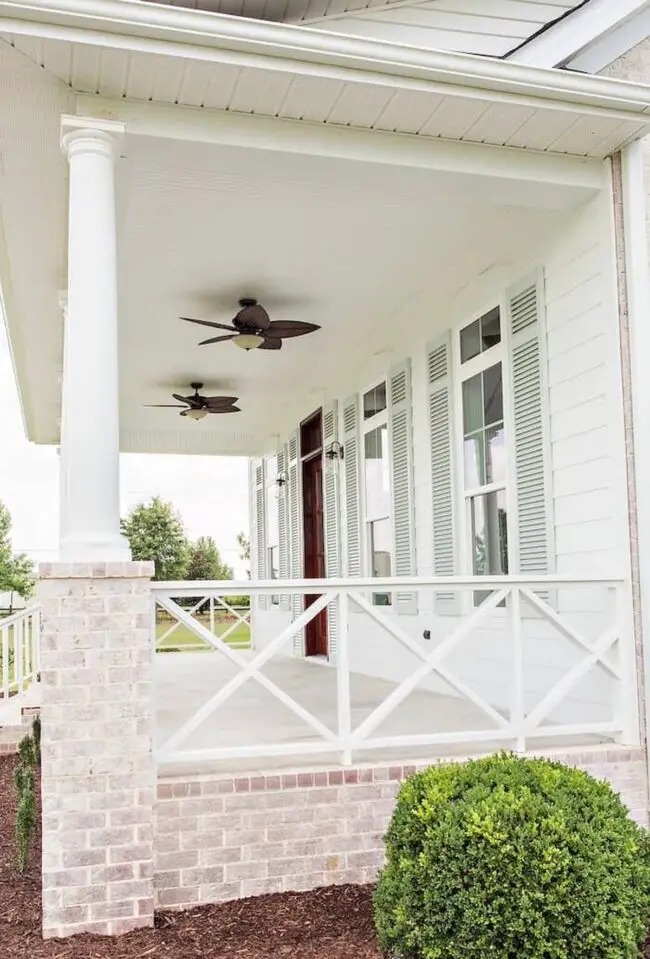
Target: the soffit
pixel 342 99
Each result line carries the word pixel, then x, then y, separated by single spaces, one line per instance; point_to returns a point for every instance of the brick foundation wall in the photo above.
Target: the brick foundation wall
pixel 98 775
pixel 226 837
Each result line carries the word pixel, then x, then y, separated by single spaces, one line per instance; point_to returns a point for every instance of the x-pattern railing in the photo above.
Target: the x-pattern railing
pixel 214 604
pixel 509 724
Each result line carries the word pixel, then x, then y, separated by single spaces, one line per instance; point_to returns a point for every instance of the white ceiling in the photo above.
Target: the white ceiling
pixel 345 245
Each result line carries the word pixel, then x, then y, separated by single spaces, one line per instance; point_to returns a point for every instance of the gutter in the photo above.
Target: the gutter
pixel 133 24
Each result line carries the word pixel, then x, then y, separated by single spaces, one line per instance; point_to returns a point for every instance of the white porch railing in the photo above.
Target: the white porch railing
pixel 20 650
pixel 514 603
pixel 231 623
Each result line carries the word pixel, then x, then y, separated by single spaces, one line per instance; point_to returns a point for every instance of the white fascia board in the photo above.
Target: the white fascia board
pixel 370 146
pixel 612 45
pixel 564 39
pixel 176 31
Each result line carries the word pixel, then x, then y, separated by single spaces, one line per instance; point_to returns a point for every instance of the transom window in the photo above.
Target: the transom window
pixel 484 448
pixel 377 491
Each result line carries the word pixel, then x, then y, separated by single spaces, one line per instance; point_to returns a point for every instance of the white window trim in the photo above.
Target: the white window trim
pixel 271 488
pixel 366 426
pixel 463 371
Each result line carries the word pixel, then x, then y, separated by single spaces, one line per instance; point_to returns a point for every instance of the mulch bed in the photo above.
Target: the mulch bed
pixel 332 923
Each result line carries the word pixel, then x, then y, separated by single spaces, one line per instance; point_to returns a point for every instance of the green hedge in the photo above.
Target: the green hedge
pixel 509 858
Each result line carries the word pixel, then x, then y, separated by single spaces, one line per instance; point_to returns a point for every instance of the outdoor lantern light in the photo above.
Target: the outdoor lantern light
pixel 334 451
pixel 333 456
pixel 248 341
pixel 196 414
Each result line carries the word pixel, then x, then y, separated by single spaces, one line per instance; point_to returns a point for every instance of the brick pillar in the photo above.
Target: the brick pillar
pixel 98 775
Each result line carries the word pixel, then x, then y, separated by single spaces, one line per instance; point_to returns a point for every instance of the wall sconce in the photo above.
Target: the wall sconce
pixel 334 451
pixel 333 454
pixel 281 480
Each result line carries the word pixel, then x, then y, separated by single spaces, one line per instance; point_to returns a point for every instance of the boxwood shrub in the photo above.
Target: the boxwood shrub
pixel 511 858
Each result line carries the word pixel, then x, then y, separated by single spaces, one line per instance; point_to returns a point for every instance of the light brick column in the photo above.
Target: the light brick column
pixel 98 775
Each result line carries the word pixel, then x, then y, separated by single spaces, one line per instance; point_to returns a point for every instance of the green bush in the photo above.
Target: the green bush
pixel 24 781
pixel 513 859
pixel 36 737
pixel 25 826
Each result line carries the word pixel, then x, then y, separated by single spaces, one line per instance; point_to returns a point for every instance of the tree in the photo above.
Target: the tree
pixel 16 572
pixel 155 532
pixel 204 561
pixel 244 544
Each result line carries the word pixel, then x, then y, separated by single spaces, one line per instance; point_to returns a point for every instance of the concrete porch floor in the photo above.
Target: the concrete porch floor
pixel 184 681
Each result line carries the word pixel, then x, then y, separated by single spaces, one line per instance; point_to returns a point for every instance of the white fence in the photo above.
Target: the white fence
pixel 519 612
pixel 19 651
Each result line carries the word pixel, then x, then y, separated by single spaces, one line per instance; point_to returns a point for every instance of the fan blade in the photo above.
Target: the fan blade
pixel 182 399
pixel 218 339
pixel 216 326
pixel 226 409
pixel 217 401
pixel 285 328
pixel 163 406
pixel 252 318
pixel 270 343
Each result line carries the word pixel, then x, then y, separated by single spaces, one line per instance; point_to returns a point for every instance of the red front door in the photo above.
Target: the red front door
pixel 314 545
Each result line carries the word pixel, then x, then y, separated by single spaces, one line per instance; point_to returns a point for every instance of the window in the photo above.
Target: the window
pixel 377 492
pixel 272 523
pixel 484 447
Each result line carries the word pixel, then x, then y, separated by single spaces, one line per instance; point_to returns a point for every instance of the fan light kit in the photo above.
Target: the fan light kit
pixel 253 329
pixel 197 406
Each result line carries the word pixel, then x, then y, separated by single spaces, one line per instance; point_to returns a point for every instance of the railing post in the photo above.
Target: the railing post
pixel 517 712
pixel 36 628
pixel 18 654
pixel 4 632
pixel 343 681
pixel 627 694
pixel 212 614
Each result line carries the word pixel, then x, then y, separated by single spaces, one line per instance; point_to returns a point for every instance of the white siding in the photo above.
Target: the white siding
pixel 490 27
pixel 587 500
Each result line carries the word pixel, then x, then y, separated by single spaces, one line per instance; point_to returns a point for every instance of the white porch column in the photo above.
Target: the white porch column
pixel 90 508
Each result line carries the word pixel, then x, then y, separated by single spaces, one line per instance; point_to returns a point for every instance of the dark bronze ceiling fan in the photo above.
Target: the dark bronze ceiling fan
pixel 197 406
pixel 252 328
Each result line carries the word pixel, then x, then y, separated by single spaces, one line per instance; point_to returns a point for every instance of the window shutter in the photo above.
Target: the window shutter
pixel 351 470
pixel 260 525
pixel 532 550
pixel 295 537
pixel 283 522
pixel 332 508
pixel 442 466
pixel 401 440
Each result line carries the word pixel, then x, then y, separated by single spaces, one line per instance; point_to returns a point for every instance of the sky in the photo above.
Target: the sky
pixel 209 492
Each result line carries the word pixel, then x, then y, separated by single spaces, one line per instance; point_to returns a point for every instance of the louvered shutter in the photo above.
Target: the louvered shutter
pixel 295 537
pixel 532 552
pixel 283 523
pixel 442 465
pixel 259 515
pixel 401 441
pixel 352 565
pixel 332 527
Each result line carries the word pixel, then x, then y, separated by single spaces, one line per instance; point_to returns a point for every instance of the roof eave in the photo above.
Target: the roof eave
pixel 133 24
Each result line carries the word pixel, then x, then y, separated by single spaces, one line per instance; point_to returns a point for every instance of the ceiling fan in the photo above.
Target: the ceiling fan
pixel 253 329
pixel 197 406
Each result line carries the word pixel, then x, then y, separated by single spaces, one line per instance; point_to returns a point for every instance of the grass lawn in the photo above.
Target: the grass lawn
pixel 182 636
